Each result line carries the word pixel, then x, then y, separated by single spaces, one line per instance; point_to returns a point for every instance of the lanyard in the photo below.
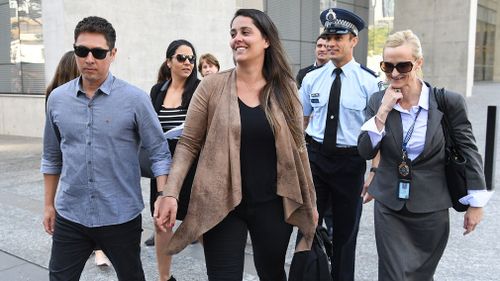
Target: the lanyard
pixel 410 131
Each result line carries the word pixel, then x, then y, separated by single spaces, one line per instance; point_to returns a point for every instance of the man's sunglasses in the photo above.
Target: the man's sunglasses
pixel 182 58
pixel 97 53
pixel 401 67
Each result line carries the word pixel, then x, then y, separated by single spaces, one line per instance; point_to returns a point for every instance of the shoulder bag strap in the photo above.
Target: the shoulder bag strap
pixel 445 122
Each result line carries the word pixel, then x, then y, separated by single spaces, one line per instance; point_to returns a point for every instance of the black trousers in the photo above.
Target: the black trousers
pixel 224 244
pixel 340 178
pixel 72 244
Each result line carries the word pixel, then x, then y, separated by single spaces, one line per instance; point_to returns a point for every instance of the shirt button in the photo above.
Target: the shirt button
pixel 332 116
pixel 91 180
pixel 89 143
pixel 89 105
pixel 92 196
pixel 89 162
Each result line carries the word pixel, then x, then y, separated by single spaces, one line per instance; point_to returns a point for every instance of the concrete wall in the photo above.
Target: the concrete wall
pixel 144 30
pixel 447 32
pixel 22 115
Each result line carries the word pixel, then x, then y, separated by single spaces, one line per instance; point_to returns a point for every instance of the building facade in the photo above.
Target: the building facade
pixel 459 39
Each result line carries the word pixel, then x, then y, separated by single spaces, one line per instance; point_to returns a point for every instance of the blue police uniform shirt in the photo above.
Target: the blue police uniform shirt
pixel 357 86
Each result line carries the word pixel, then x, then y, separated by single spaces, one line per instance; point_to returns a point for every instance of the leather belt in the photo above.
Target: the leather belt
pixel 344 150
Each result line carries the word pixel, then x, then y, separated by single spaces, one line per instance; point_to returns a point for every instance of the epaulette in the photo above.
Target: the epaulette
pixel 369 71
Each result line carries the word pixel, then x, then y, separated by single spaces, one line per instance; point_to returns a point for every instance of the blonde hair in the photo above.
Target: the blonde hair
pixel 406 37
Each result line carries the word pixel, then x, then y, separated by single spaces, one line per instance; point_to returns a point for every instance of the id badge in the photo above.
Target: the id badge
pixel 404 189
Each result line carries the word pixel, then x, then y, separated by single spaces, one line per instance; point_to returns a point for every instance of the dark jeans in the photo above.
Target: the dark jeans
pixel 72 244
pixel 338 180
pixel 224 244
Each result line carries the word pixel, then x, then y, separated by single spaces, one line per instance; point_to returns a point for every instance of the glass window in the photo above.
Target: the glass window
pixel 485 44
pixel 22 61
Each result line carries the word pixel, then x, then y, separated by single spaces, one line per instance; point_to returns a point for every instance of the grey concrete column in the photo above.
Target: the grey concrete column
pixel 447 30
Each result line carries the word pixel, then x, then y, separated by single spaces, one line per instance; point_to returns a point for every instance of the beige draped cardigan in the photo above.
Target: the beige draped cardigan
pixel 213 127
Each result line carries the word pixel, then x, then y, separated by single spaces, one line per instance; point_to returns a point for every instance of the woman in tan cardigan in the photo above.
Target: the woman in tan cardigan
pixel 253 173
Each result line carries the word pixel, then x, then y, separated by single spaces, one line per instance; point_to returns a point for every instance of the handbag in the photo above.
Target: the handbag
pixel 313 265
pixel 455 162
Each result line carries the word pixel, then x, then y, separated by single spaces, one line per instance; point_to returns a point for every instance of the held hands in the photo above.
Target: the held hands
pixel 49 219
pixel 165 212
pixel 472 218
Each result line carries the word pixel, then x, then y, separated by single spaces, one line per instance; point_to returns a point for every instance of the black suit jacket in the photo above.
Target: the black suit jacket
pixel 428 191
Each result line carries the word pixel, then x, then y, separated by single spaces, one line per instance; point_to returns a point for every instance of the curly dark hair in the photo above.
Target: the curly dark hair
pixel 97 25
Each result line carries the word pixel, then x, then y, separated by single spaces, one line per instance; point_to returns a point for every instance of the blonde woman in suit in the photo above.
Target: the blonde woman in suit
pixel 411 197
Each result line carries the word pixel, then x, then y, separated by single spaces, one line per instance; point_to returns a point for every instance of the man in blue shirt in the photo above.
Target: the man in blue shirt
pixel 94 126
pixel 334 98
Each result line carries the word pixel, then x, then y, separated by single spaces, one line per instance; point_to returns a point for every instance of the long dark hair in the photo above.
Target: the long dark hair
pixel 192 81
pixel 66 71
pixel 278 75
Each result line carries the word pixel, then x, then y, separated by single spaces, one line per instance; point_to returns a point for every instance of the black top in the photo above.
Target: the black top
pixel 258 156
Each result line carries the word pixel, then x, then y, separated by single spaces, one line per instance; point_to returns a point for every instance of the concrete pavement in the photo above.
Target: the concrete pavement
pixel 25 247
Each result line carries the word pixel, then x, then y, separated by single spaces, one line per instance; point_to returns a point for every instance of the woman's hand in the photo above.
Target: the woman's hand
pixel 391 97
pixel 315 216
pixel 364 193
pixel 165 212
pixel 472 218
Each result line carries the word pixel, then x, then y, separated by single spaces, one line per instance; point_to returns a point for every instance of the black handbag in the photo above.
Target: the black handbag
pixel 313 265
pixel 455 162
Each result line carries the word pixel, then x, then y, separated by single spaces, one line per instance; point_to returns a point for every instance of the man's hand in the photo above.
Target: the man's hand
pixel 165 212
pixel 472 218
pixel 49 219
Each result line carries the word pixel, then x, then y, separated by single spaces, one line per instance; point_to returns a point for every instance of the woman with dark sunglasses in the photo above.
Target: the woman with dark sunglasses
pixel 409 187
pixel 253 175
pixel 177 81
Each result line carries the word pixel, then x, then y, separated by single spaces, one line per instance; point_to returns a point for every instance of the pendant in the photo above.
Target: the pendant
pixel 404 169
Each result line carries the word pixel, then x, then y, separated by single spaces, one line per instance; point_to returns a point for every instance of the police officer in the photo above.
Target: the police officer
pixel 334 98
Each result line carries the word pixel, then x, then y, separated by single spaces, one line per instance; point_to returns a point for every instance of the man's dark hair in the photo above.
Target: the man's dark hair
pixel 322 36
pixel 97 25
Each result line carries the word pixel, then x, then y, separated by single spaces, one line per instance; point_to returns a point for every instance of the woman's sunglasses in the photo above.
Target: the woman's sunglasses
pixel 401 67
pixel 182 58
pixel 97 53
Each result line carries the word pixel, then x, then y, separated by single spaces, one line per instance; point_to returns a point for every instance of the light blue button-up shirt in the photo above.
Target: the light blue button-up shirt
pixel 357 86
pixel 93 145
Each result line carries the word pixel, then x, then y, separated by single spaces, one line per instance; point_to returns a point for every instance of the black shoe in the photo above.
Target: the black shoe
pixel 151 242
pixel 172 278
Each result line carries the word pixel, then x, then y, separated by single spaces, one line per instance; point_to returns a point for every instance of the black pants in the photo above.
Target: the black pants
pixel 224 244
pixel 340 178
pixel 72 244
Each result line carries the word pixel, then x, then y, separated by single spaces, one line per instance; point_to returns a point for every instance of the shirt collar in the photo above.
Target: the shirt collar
pixel 350 66
pixel 423 100
pixel 165 86
pixel 105 87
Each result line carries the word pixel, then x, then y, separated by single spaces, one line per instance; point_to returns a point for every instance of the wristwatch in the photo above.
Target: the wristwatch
pixel 159 193
pixel 373 169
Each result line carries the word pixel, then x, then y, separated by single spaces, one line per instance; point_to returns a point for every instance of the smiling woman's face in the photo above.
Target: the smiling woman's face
pixel 247 41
